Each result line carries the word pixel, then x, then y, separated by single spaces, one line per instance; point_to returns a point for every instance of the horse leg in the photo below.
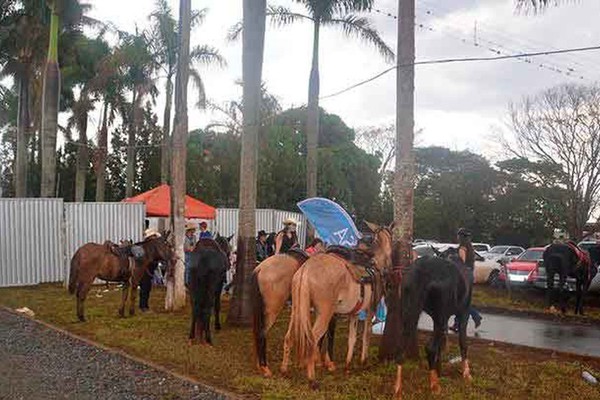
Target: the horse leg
pixel 319 328
pixel 124 295
pixel 287 348
pixel 82 291
pixel 579 296
pixel 262 347
pixel 218 306
pixel 327 349
pixel 549 287
pixel 134 285
pixel 562 292
pixel 433 351
pixel 462 342
pixel 352 333
pixel 366 337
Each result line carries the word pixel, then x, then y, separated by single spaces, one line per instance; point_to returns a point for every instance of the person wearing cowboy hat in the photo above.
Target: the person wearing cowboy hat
pixel 287 238
pixel 189 243
pixel 151 233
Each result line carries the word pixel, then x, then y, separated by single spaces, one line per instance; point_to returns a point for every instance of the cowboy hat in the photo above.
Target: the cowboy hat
pixel 189 226
pixel 290 221
pixel 151 233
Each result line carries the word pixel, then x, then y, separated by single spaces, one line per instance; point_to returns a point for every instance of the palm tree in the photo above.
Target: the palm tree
pixel 253 42
pixel 175 286
pixel 403 175
pixel 70 12
pixel 22 35
pixel 165 47
pixel 138 67
pixel 324 13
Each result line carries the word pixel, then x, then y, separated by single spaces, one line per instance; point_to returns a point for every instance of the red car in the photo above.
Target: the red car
pixel 525 268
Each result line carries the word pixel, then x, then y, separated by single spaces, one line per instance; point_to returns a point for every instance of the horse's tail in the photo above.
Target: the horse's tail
pixel 412 304
pixel 75 262
pixel 300 319
pixel 258 317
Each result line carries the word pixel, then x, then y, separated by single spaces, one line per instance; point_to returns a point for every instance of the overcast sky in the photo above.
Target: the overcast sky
pixel 457 105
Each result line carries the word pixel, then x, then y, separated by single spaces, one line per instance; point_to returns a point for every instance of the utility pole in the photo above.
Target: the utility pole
pixel 404 172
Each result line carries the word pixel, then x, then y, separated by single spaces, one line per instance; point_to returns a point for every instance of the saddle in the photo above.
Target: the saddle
pixel 121 251
pixel 300 255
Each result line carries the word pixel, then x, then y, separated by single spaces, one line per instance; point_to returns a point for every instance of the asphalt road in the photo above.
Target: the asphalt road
pixel 39 363
pixel 544 334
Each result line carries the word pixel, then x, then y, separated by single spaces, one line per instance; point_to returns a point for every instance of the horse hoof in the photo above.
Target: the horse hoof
pixel 284 372
pixel 434 383
pixel 330 367
pixel 314 385
pixel 266 372
pixel 81 319
pixel 218 327
pixel 347 370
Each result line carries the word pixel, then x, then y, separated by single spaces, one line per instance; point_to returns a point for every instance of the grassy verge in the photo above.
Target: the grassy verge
pixel 528 300
pixel 499 371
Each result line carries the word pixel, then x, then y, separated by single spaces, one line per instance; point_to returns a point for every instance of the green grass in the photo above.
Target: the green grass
pixel 499 371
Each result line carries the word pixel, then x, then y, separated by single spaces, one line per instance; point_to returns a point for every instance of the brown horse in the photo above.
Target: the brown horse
pixel 326 282
pixel 116 264
pixel 271 288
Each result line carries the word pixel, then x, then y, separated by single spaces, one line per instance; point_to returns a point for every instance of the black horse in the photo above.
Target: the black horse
pixel 208 268
pixel 567 260
pixel 442 288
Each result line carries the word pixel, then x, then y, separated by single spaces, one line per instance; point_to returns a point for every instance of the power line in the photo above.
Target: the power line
pixel 463 59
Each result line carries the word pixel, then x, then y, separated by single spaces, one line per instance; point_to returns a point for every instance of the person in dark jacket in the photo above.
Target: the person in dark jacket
pixel 466 253
pixel 262 248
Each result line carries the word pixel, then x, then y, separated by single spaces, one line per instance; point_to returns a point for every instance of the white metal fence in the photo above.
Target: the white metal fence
pixel 38 237
pixel 31 239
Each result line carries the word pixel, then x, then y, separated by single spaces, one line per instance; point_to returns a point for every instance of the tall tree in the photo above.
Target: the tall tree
pixel 325 13
pixel 164 43
pixel 253 42
pixel 403 178
pixel 561 127
pixel 175 285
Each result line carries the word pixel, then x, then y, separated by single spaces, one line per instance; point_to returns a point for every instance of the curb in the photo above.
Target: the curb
pixel 122 353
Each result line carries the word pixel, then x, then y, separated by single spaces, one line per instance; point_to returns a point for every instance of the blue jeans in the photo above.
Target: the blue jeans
pixel 186 274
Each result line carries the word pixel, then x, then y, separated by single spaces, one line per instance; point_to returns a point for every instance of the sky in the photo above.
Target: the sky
pixel 460 106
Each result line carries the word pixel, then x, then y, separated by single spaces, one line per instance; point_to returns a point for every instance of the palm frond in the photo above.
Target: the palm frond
pixel 535 6
pixel 361 27
pixel 198 17
pixel 281 16
pixel 207 55
pixel 197 79
pixel 327 9
pixel 235 31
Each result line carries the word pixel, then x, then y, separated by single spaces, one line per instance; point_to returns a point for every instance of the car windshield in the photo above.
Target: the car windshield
pixel 531 255
pixel 480 247
pixel 498 249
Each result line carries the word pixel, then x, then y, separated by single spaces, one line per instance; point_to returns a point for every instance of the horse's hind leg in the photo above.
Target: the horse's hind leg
pixel 434 356
pixel 287 348
pixel 562 292
pixel 324 315
pixel 134 286
pixel 579 297
pixel 462 342
pixel 218 306
pixel 82 291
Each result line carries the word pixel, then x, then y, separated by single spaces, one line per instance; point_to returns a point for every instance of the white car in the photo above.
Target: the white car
pixel 481 247
pixel 486 271
pixel 498 253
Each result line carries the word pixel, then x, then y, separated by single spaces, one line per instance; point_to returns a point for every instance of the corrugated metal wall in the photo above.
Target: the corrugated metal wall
pixel 98 222
pixel 31 241
pixel 268 220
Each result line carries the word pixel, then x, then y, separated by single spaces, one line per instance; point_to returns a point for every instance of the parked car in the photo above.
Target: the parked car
pixel 498 253
pixel 486 271
pixel 524 270
pixel 481 247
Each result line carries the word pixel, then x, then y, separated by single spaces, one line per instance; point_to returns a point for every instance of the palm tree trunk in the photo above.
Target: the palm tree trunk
pixel 403 177
pixel 82 158
pixel 240 311
pixel 164 160
pixel 175 285
pixel 130 172
pixel 101 160
pixel 23 125
pixel 312 121
pixel 51 94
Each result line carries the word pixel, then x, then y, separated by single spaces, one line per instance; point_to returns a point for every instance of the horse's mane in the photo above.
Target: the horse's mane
pixel 208 243
pixel 355 256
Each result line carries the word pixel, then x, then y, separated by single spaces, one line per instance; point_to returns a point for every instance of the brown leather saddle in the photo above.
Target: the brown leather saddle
pixel 121 251
pixel 300 255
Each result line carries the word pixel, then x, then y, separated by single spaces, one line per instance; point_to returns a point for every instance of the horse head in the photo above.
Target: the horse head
pixel 159 248
pixel 382 245
pixel 224 243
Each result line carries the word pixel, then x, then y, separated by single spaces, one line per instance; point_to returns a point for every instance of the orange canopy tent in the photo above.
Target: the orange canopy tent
pixel 158 204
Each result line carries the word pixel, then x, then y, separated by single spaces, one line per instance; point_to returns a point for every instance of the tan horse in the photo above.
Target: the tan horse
pixel 111 263
pixel 325 283
pixel 271 288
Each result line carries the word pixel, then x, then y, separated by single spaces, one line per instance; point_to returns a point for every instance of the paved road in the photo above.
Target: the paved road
pixel 39 363
pixel 545 334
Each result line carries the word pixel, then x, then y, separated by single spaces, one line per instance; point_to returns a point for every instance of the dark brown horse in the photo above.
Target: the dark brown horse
pixel 109 262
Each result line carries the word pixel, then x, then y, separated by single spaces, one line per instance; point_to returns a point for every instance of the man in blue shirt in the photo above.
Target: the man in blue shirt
pixel 204 232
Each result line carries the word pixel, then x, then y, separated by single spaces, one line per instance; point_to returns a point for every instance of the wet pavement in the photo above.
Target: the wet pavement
pixel 544 334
